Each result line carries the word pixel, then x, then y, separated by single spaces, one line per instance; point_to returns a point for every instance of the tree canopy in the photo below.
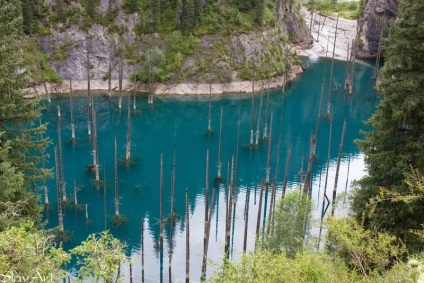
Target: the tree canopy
pixel 20 142
pixel 396 143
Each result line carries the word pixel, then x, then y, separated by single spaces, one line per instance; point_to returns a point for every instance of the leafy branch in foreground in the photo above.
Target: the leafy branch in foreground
pixel 100 256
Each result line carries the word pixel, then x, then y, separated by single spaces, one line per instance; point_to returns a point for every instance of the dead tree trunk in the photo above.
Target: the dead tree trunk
pixel 116 181
pixel 109 78
pixel 72 112
pixel 161 192
pixel 121 66
pixel 308 177
pixel 209 131
pixel 142 249
pixel 258 221
pixel 43 81
pixel 246 219
pixel 150 98
pixel 325 198
pixel 95 146
pixel 59 202
pixel 268 165
pixel 265 134
pixel 187 238
pixel 88 73
pixel 43 166
pixel 332 69
pixel 228 215
pixel 128 144
pixel 252 110
pixel 219 177
pixel 336 179
pixel 62 168
pixel 206 244
pixel 258 125
pixel 286 172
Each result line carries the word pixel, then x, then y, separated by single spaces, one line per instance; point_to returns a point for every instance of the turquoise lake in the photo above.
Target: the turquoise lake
pixel 152 133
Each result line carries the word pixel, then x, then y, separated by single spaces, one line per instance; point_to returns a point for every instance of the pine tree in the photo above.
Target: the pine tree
pixel 244 5
pixel 90 7
pixel 17 116
pixel 178 12
pixel 396 144
pixel 28 15
pixel 131 6
pixel 259 11
pixel 188 15
pixel 155 14
pixel 198 10
pixel 59 9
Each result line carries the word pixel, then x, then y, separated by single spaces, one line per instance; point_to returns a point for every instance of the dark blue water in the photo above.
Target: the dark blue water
pixel 152 133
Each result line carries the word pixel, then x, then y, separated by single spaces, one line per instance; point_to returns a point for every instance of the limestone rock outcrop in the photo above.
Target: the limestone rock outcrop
pixel 376 16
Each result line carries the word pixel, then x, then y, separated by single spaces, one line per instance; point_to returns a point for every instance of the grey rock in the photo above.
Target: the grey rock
pixel 103 48
pixel 376 16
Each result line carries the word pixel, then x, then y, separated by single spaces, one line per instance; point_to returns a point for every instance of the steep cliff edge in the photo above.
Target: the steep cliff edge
pixel 173 58
pixel 376 15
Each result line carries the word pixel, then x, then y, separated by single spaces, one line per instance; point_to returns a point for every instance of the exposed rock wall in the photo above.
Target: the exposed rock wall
pixel 376 15
pixel 71 45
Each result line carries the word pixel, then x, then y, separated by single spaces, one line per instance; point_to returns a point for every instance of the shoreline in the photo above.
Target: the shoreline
pixel 181 89
pixel 325 36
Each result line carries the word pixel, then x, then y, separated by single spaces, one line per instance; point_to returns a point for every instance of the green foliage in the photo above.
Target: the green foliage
pixel 17 205
pixel 290 227
pixel 225 19
pixel 264 266
pixel 31 14
pixel 25 251
pixel 49 74
pixel 365 251
pixel 244 5
pixel 201 17
pixel 259 11
pixel 352 255
pixel 415 182
pixel 166 64
pixel 150 16
pixel 347 9
pixel 100 256
pixel 17 115
pixel 271 63
pixel 131 6
pixel 188 15
pixel 395 145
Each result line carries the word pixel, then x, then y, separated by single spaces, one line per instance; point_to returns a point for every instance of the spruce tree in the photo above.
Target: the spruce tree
pixel 198 10
pixel 17 116
pixel 260 11
pixel 29 16
pixel 131 6
pixel 396 143
pixel 243 5
pixel 90 7
pixel 178 12
pixel 188 15
pixel 59 9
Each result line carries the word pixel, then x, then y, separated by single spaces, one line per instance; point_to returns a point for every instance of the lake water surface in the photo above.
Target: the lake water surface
pixel 152 133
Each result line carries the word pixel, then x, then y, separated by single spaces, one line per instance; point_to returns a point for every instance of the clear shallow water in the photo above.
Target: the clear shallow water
pixel 152 133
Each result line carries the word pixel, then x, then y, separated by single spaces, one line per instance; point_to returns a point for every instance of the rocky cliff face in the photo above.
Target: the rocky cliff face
pixel 375 17
pixel 69 47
